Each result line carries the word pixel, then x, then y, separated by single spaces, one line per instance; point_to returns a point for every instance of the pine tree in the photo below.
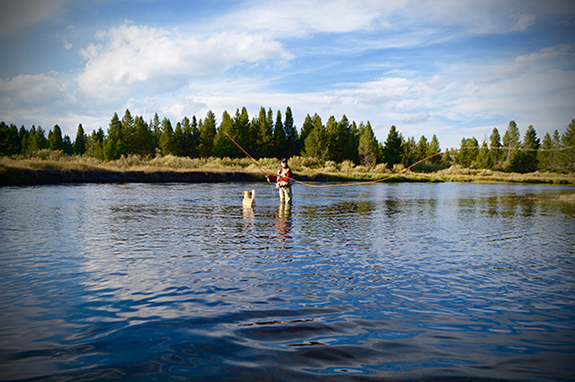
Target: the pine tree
pixel 422 149
pixel 80 141
pixel 167 138
pixel 155 127
pixel 558 154
pixel 315 141
pixel 516 160
pixel 280 147
pixel 568 148
pixel 25 139
pixel 306 129
pixel 291 134
pixel 143 138
pixel 195 138
pixel 511 139
pixel 547 155
pixel 68 146
pixel 36 140
pixel 190 137
pixel 531 145
pixel 347 139
pixel 468 152
pixel 223 146
pixel 128 131
pixel 264 134
pixel 178 141
pixel 392 148
pixel 484 157
pixel 495 146
pixel 334 141
pixel 408 151
pixel 353 144
pixel 207 135
pixel 368 146
pixel 94 144
pixel 55 139
pixel 341 141
pixel 114 146
pixel 243 134
pixel 433 149
pixel 10 142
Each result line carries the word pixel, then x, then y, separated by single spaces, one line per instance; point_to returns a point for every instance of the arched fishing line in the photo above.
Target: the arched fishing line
pixel 260 166
pixel 367 182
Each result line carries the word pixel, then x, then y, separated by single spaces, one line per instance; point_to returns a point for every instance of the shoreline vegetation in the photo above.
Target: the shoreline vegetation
pixel 53 167
pixel 202 150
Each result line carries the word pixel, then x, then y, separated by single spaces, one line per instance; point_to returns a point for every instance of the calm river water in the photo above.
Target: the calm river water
pixel 381 282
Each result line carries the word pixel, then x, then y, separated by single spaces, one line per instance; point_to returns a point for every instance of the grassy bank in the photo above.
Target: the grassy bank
pixel 11 170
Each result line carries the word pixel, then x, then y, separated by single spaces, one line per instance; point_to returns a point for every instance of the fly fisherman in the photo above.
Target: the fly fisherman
pixel 283 179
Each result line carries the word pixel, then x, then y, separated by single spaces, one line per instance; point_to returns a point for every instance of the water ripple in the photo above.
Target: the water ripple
pixel 391 282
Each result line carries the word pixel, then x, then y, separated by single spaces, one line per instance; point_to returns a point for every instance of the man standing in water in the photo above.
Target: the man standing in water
pixel 283 181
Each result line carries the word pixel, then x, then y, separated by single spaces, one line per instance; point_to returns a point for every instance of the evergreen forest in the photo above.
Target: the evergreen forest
pixel 270 135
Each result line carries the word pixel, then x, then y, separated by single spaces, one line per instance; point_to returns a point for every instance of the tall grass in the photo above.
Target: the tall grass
pixel 303 166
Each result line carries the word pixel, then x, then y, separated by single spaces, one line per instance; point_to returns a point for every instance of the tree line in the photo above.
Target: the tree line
pixel 556 153
pixel 264 136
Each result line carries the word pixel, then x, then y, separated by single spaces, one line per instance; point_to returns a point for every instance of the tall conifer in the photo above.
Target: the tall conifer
pixel 568 148
pixel 80 141
pixel 280 148
pixel 531 145
pixel 207 135
pixel 291 134
pixel 392 149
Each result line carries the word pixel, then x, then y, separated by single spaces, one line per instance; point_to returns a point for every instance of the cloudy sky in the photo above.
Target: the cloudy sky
pixel 454 68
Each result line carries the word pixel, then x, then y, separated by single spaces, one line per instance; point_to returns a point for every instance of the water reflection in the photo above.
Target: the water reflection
pixel 392 207
pixel 248 215
pixel 282 224
pixel 159 282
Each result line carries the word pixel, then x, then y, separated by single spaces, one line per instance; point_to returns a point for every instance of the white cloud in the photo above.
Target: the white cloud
pixel 545 54
pixel 524 21
pixel 163 59
pixel 34 100
pixel 418 118
pixel 525 63
pixel 225 64
pixel 400 23
pixel 297 18
pixel 32 90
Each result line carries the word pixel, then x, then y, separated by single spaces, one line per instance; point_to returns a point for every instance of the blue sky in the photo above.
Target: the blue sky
pixel 453 68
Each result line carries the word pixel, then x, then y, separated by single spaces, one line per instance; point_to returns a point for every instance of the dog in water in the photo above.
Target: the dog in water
pixel 249 198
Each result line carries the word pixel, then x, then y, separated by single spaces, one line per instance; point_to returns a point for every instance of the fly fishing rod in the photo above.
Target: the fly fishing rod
pixel 258 165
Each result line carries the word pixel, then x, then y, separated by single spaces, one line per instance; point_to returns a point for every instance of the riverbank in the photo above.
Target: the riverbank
pixel 66 170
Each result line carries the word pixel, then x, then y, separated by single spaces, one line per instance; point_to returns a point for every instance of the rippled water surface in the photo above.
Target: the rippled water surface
pixel 381 282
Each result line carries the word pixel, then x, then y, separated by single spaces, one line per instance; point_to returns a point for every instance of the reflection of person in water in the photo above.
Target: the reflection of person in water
pixel 283 224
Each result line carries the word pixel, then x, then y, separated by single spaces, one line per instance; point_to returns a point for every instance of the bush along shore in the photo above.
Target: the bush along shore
pixel 51 167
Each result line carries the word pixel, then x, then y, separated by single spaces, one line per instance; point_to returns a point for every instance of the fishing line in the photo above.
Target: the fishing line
pixel 367 182
pixel 259 166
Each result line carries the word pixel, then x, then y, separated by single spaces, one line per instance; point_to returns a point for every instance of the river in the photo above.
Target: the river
pixel 386 282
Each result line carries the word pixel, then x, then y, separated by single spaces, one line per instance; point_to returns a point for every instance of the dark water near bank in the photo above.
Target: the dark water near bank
pixel 381 282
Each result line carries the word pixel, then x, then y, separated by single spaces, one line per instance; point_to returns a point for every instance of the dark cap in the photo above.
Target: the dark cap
pixel 283 160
